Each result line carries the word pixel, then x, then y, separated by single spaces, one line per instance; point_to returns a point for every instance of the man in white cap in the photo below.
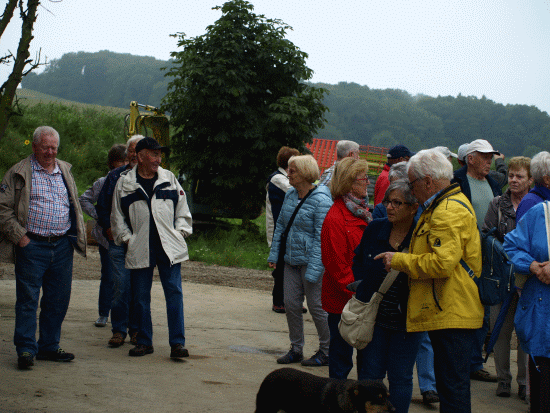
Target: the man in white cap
pixel 499 174
pixel 480 189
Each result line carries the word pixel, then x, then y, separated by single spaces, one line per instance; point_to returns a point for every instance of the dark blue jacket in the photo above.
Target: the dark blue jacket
pixel 392 312
pixel 105 199
pixel 535 196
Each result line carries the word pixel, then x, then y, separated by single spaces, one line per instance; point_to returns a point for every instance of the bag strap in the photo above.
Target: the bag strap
pixel 470 272
pixel 390 278
pixel 547 221
pixel 291 220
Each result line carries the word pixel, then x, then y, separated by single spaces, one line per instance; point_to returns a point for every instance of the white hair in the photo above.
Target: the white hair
pixel 134 139
pixel 42 131
pixel 540 166
pixel 398 171
pixel 343 148
pixel 432 163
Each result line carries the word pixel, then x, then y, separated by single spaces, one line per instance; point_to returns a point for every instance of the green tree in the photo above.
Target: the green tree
pixel 238 94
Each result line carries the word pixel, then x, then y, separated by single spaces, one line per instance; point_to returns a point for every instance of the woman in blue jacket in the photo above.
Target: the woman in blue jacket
pixel 527 247
pixel 303 265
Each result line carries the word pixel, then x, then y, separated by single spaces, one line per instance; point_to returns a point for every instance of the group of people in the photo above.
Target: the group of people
pixel 142 217
pixel 426 226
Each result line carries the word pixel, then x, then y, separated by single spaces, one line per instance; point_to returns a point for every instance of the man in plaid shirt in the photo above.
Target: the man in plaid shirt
pixel 41 225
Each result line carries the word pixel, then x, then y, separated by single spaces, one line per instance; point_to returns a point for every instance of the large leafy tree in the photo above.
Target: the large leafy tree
pixel 237 95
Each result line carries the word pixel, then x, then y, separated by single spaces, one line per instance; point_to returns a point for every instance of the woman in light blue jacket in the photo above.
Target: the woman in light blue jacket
pixel 303 265
pixel 527 247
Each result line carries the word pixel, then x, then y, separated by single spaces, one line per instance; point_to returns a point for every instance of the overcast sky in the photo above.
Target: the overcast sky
pixel 496 48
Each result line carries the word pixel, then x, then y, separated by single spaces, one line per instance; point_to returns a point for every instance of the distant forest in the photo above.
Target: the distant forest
pixel 368 116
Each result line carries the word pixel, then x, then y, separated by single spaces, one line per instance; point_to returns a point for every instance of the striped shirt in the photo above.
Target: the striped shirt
pixel 49 202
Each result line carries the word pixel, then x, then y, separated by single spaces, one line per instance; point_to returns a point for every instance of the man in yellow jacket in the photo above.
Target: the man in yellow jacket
pixel 443 299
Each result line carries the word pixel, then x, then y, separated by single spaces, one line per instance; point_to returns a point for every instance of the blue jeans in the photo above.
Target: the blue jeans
pixel 393 352
pixel 170 277
pixel 340 353
pixel 425 365
pixel 452 354
pixel 47 266
pixel 106 283
pixel 476 362
pixel 123 318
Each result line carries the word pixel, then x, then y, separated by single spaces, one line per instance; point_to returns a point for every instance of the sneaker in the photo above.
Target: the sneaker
pixel 280 309
pixel 522 391
pixel 133 338
pixel 429 397
pixel 117 340
pixel 141 350
pixel 25 360
pixel 483 375
pixel 57 355
pixel 503 389
pixel 178 351
pixel 290 357
pixel 318 359
pixel 101 321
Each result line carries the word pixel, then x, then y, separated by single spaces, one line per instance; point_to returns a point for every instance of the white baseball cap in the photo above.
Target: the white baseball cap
pixel 462 151
pixel 480 145
pixel 446 151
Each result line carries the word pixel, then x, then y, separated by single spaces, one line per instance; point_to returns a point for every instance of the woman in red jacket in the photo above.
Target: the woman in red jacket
pixel 341 233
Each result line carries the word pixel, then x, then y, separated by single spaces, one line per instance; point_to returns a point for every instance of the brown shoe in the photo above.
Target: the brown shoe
pixel 141 350
pixel 133 338
pixel 117 340
pixel 483 375
pixel 178 351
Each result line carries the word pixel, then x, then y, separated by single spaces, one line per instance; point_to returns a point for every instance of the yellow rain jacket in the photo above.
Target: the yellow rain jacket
pixel 442 294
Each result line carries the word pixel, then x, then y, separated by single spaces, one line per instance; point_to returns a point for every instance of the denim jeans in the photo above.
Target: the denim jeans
pixel 425 365
pixel 477 359
pixel 47 266
pixel 123 318
pixel 170 277
pixel 340 353
pixel 106 283
pixel 452 356
pixel 392 352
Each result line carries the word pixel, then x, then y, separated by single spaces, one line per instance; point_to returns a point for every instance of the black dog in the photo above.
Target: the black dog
pixel 295 391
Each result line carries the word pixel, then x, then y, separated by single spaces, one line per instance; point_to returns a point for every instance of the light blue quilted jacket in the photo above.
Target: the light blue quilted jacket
pixel 304 239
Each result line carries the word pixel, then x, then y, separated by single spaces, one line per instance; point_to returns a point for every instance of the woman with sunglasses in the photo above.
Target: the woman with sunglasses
pixel 392 351
pixel 342 230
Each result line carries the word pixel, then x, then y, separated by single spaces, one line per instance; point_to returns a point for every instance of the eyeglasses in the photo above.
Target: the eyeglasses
pixel 411 184
pixel 394 203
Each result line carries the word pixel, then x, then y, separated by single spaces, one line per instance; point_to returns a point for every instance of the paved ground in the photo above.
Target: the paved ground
pixel 233 338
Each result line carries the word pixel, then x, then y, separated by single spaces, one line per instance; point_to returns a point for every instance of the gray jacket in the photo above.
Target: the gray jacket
pixel 15 194
pixel 507 216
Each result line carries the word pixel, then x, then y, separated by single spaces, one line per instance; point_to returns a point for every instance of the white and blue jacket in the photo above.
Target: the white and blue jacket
pixel 304 239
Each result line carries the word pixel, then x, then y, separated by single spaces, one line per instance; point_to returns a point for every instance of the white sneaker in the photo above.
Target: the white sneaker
pixel 101 321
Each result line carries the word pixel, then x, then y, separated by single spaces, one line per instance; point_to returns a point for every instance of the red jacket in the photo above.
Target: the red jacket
pixel 381 185
pixel 340 235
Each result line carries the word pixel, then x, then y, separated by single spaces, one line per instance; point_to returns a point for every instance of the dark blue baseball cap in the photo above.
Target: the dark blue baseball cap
pixel 399 151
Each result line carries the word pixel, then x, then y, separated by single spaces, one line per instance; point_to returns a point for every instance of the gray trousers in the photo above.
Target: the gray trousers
pixel 502 346
pixel 295 288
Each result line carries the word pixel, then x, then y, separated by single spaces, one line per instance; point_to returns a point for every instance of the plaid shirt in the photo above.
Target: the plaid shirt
pixel 49 203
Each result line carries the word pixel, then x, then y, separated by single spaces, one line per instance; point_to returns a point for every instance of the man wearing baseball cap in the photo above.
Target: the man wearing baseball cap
pixel 397 153
pixel 151 217
pixel 499 174
pixel 480 189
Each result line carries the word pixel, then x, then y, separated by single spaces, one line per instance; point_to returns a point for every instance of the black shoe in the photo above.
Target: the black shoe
pixel 25 360
pixel 503 389
pixel 522 391
pixel 483 375
pixel 178 351
pixel 141 350
pixel 280 309
pixel 290 357
pixel 58 355
pixel 429 397
pixel 317 360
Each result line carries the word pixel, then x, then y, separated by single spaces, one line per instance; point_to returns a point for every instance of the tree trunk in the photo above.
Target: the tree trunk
pixel 8 89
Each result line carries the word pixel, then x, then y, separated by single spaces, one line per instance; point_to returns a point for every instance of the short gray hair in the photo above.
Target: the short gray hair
pixel 343 148
pixel 540 166
pixel 401 185
pixel 432 163
pixel 134 139
pixel 398 171
pixel 42 131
